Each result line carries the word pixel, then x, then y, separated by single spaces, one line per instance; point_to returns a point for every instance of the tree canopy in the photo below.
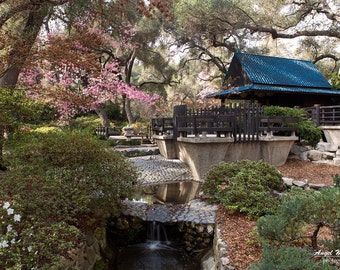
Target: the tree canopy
pixel 153 45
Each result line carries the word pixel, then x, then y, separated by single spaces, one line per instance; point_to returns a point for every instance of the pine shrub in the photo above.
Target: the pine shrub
pixel 307 131
pixel 244 186
pixel 289 258
pixel 297 223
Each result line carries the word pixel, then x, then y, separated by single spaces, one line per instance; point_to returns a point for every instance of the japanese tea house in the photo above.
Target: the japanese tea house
pixel 276 81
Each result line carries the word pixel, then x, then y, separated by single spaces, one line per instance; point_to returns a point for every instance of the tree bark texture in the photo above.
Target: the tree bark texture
pixel 103 116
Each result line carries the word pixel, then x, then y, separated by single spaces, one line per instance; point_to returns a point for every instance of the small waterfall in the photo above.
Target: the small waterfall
pixel 158 252
pixel 156 232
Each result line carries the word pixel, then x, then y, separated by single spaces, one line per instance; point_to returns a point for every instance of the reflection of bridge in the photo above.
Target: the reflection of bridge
pixel 169 179
pixel 201 138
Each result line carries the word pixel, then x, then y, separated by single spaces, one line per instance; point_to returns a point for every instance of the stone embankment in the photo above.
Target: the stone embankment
pixel 324 152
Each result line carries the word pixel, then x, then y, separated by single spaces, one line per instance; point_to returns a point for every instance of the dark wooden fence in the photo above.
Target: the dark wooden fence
pixel 324 115
pixel 106 131
pixel 242 123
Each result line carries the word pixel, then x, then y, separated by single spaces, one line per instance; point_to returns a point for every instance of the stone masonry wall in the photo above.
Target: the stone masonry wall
pixel 88 255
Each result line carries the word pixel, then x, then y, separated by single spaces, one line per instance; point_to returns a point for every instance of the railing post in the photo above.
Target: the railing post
pixel 317 114
pixel 179 110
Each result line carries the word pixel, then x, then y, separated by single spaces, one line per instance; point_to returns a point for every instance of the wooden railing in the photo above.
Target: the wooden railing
pixel 106 131
pixel 205 124
pixel 240 123
pixel 324 115
pixel 284 124
pixel 162 126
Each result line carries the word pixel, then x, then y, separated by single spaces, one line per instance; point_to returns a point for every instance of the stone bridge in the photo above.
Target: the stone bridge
pixel 172 178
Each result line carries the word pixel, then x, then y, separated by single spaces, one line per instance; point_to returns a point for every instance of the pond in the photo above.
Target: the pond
pixel 158 252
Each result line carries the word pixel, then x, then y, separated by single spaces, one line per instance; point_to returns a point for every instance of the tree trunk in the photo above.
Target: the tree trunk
pixel 128 74
pixel 314 237
pixel 128 111
pixel 19 53
pixel 102 115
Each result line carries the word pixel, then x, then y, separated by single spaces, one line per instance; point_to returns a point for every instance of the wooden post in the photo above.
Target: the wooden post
pixel 179 110
pixel 317 113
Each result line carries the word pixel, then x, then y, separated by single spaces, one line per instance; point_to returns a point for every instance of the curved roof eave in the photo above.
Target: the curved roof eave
pixel 275 89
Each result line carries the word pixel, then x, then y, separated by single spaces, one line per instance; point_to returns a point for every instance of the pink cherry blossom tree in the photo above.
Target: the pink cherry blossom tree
pixel 81 72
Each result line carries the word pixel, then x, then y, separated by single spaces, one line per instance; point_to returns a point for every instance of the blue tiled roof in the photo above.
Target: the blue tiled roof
pixel 281 71
pixel 269 88
pixel 276 74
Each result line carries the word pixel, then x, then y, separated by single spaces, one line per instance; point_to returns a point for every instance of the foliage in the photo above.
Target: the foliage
pixel 336 180
pixel 306 129
pixel 244 186
pixel 309 132
pixel 16 108
pixel 86 121
pixel 288 258
pixel 335 80
pixel 57 76
pixel 62 184
pixel 113 111
pixel 141 128
pixel 299 218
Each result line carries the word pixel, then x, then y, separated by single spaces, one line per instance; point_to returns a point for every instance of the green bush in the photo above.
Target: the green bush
pixel 307 131
pixel 312 208
pixel 336 180
pixel 297 222
pixel 289 258
pixel 61 184
pixel 244 186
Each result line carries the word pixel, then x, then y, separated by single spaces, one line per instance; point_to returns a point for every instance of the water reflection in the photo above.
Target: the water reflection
pixel 176 192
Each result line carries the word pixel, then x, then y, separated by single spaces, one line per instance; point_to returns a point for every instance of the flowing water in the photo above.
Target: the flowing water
pixel 157 253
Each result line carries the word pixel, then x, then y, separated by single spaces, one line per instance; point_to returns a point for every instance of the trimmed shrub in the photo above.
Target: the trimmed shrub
pixel 244 186
pixel 307 131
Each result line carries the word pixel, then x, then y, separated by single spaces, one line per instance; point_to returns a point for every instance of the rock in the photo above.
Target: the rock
pixel 298 149
pixel 225 261
pixel 200 229
pixel 326 147
pixel 300 184
pixel 336 161
pixel 303 156
pixel 328 155
pixel 210 229
pixel 314 155
pixel 288 181
pixel 317 186
pixel 337 154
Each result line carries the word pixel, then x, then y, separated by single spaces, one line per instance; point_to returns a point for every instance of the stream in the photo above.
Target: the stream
pixel 156 253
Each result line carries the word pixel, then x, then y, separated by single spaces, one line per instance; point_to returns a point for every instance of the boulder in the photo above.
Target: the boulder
pixel 298 148
pixel 288 181
pixel 337 154
pixel 328 155
pixel 326 147
pixel 314 155
pixel 336 161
